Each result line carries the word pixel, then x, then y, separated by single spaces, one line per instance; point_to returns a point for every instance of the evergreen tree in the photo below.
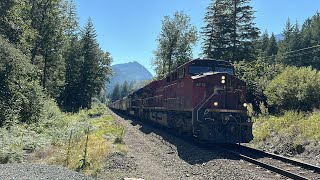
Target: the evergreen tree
pixel 264 44
pixel 116 93
pixel 69 99
pixel 310 35
pixel 306 32
pixel 292 41
pixel 244 31
pixel 124 89
pixel 307 41
pixel 285 44
pixel 15 23
pixel 95 67
pixel 70 19
pixel 131 86
pixel 233 21
pixel 174 44
pixel 272 48
pixel 47 47
pixel 21 97
pixel 216 31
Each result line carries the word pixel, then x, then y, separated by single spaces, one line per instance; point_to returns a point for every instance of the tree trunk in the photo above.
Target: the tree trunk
pixel 34 53
pixel 45 71
pixel 234 30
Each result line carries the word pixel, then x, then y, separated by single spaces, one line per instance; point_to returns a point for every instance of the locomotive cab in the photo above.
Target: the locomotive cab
pixel 220 113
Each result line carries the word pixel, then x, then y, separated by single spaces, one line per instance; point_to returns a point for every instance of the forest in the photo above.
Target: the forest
pixel 51 68
pixel 46 55
pixel 282 75
pixel 52 75
pixel 230 34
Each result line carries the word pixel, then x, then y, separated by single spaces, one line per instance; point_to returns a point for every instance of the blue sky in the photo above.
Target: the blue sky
pixel 128 29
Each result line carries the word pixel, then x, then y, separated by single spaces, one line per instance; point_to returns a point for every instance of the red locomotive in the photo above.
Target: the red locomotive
pixel 202 98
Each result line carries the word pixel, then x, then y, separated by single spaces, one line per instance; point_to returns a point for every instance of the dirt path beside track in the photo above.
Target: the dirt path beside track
pixel 155 154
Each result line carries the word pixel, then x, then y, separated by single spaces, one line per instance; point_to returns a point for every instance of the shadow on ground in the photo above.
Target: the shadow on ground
pixel 188 148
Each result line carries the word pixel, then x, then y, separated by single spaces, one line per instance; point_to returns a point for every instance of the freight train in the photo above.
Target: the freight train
pixel 202 98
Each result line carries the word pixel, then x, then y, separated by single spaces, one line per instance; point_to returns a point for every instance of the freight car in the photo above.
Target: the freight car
pixel 202 98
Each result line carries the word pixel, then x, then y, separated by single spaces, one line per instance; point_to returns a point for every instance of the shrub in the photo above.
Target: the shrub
pixel 257 75
pixel 21 97
pixel 295 88
pixel 293 130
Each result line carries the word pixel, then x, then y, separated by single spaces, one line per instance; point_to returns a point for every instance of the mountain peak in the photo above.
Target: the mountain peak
pixel 130 71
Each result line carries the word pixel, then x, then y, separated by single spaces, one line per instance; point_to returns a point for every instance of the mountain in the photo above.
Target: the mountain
pixel 279 37
pixel 132 71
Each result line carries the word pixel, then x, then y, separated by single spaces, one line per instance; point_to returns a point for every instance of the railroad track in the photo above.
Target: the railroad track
pixel 279 164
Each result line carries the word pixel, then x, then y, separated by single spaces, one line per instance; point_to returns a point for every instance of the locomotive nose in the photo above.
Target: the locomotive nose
pixel 224 91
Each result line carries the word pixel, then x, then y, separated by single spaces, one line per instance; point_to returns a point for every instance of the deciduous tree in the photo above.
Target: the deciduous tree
pixel 174 43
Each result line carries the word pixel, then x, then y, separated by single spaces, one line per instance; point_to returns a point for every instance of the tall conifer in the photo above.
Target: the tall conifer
pixel 230 32
pixel 95 67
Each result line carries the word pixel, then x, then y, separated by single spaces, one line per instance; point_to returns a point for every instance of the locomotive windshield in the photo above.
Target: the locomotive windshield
pixel 228 70
pixel 195 69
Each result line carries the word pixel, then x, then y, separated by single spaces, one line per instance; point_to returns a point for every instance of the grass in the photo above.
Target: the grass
pixel 50 142
pixel 296 127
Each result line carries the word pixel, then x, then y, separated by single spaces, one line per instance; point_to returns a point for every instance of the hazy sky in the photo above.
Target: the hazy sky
pixel 128 29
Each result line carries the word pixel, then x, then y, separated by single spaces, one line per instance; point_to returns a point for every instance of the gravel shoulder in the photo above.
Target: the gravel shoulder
pixel 155 154
pixel 27 171
pixel 311 153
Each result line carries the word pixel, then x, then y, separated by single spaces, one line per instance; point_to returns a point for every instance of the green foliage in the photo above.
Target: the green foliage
pixel 297 38
pixel 116 93
pixel 292 128
pixel 216 39
pixel 295 88
pixel 263 109
pixel 230 32
pixel 16 24
pixel 21 98
pixel 124 89
pixel 120 91
pixel 95 67
pixel 174 44
pixel 47 48
pixel 257 75
pixel 49 140
pixel 69 98
pixel 120 136
pixel 50 129
pixel 87 70
pixel 97 109
pixel 272 48
pixel 66 67
pixel 262 44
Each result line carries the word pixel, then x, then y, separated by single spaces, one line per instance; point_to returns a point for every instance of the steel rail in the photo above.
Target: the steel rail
pixel 269 167
pixel 308 166
pixel 316 169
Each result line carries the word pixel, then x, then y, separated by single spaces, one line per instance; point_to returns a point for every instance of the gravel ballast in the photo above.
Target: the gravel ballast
pixel 156 154
pixel 27 171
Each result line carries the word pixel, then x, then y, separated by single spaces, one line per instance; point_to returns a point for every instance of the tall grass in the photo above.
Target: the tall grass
pixel 297 126
pixel 49 140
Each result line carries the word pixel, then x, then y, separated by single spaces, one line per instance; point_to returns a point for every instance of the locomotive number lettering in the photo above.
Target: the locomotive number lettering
pixel 201 84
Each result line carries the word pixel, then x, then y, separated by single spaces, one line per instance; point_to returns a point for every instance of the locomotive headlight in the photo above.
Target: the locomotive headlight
pixel 215 103
pixel 223 77
pixel 223 81
pixel 245 104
